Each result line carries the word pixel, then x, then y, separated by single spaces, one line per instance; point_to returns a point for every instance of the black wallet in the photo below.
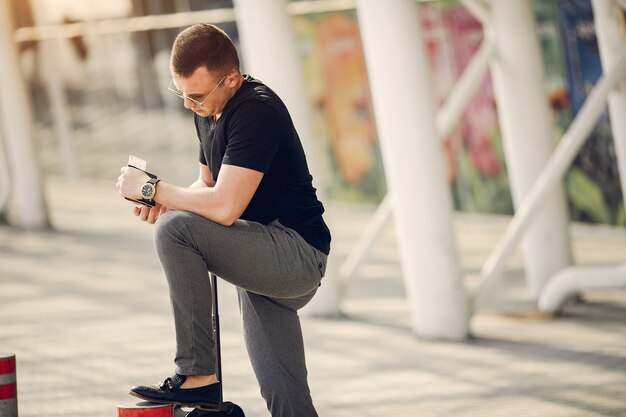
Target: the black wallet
pixel 149 203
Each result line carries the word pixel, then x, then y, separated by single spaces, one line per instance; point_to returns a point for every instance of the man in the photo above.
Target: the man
pixel 252 217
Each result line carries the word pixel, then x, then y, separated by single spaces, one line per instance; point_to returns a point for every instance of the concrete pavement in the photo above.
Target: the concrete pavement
pixel 85 309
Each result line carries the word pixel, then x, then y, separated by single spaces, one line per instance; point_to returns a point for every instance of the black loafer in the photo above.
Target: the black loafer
pixel 170 392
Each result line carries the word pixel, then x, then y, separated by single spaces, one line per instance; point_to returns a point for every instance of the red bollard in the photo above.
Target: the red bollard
pixel 145 409
pixel 8 386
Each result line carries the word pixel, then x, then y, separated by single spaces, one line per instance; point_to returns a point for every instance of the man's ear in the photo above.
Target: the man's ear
pixel 232 78
pixel 229 80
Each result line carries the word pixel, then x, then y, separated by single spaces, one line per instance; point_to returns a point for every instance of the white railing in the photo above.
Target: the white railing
pixel 122 25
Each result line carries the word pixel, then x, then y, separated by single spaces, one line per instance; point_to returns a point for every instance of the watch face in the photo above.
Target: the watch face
pixel 147 191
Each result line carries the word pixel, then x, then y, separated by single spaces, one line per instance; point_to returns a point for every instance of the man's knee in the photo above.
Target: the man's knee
pixel 172 226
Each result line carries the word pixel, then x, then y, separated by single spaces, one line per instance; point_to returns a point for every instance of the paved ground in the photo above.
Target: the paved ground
pixel 85 310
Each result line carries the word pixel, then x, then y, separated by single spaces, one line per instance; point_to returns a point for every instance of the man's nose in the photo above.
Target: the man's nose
pixel 188 103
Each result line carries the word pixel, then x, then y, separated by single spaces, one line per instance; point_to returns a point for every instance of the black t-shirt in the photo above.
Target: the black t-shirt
pixel 255 131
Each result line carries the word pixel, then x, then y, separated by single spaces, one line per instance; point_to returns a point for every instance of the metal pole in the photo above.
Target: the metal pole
pixel 527 131
pixel 478 10
pixel 573 280
pixel 16 121
pixel 609 23
pixel 216 331
pixel 465 88
pixel 362 247
pixel 422 206
pixel 272 57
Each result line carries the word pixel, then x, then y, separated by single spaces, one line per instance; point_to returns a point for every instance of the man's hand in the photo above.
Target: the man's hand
pixel 149 214
pixel 129 185
pixel 130 181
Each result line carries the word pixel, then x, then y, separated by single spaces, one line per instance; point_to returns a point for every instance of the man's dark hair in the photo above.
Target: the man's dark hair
pixel 203 45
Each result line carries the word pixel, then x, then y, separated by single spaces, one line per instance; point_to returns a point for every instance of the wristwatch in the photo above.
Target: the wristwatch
pixel 148 190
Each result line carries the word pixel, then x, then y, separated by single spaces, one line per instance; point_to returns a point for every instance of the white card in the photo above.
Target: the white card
pixel 136 162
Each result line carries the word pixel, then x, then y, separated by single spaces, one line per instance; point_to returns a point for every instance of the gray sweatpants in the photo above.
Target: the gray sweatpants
pixel 276 272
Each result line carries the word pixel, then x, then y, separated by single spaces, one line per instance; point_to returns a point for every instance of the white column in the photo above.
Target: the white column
pixel 270 54
pixel 5 181
pixel 16 121
pixel 609 23
pixel 48 51
pixel 528 136
pixel 405 114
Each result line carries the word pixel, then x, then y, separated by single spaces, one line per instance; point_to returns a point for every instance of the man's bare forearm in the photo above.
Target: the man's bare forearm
pixel 199 184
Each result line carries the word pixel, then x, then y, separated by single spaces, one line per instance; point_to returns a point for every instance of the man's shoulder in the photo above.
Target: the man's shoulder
pixel 255 91
pixel 256 99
